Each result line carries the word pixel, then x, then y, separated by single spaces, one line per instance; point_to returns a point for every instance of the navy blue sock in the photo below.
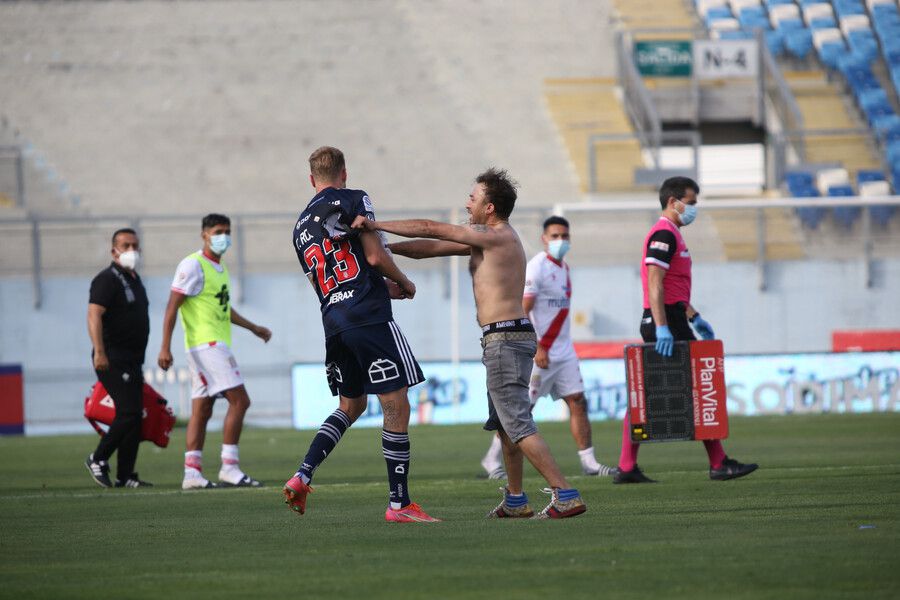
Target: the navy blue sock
pixel 395 447
pixel 329 435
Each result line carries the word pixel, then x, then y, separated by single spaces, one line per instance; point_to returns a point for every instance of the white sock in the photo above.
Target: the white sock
pixel 588 460
pixel 494 456
pixel 230 455
pixel 193 461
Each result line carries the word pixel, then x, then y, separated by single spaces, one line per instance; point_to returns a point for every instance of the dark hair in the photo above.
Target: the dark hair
pixel 676 187
pixel 500 191
pixel 123 230
pixel 213 219
pixel 326 163
pixel 555 220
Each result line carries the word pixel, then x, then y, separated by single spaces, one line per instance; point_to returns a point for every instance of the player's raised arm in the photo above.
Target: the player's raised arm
pixel 475 235
pixel 418 249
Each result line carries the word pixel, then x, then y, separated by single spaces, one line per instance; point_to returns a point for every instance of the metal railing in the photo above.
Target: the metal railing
pixel 865 234
pixel 657 172
pixel 38 246
pixel 637 100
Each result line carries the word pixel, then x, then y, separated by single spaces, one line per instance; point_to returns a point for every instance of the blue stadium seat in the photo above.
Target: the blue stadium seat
pixel 893 153
pixel 890 132
pixel 798 181
pixel 798 42
pixel 829 52
pixel 863 43
pixel 811 216
pixel 790 25
pixel 775 42
pixel 886 123
pixel 823 23
pixel 863 176
pixel 736 34
pixel 844 216
pixel 845 8
pixel 777 2
pixel 871 98
pixel 877 112
pixel 718 12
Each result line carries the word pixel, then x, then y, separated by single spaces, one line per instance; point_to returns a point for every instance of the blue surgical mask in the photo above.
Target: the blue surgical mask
pixel 689 214
pixel 219 243
pixel 558 248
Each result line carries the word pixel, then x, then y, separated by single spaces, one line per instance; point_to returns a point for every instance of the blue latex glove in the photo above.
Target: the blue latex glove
pixel 665 342
pixel 703 328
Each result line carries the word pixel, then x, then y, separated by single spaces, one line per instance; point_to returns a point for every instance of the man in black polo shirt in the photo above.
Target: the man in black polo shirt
pixel 119 325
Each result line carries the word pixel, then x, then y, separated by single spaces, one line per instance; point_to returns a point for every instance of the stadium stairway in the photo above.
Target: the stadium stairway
pixel 584 107
pixel 823 106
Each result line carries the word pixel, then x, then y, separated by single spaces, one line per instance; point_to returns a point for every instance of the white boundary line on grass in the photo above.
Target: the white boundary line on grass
pixel 127 494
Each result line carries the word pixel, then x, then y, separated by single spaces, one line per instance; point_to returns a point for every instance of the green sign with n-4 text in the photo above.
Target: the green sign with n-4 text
pixel 664 58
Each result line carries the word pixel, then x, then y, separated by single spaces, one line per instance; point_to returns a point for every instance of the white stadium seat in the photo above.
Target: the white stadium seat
pixel 737 5
pixel 875 188
pixel 703 6
pixel 725 25
pixel 853 22
pixel 821 36
pixel 817 11
pixel 827 178
pixel 781 12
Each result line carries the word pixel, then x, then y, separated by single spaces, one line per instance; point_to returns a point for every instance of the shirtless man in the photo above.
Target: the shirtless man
pixel 497 264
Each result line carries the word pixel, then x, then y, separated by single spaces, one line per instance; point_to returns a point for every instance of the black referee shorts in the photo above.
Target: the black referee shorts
pixel 676 317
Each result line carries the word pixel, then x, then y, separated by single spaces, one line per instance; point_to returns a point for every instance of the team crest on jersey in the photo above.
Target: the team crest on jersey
pixel 382 370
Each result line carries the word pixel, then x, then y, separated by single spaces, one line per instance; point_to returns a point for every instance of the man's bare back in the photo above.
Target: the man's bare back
pixel 498 275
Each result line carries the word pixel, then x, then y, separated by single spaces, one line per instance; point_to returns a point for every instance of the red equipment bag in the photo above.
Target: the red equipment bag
pixel 158 418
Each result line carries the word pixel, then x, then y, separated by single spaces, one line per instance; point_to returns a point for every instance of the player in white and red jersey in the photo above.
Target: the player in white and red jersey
pixel 547 297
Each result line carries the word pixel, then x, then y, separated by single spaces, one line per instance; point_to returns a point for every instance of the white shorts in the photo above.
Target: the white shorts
pixel 560 379
pixel 213 370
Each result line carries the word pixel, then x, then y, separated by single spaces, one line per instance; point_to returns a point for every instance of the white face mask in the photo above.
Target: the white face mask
pixel 129 260
pixel 558 248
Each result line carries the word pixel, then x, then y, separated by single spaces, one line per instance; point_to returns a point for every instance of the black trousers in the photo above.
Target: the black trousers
pixel 676 317
pixel 125 384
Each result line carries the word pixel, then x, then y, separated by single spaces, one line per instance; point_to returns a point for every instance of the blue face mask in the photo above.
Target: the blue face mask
pixel 219 243
pixel 558 248
pixel 689 214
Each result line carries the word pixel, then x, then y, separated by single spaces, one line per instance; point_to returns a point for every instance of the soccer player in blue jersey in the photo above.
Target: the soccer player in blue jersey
pixel 365 352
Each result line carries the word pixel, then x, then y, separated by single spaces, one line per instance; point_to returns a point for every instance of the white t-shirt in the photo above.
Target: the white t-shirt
pixel 548 282
pixel 189 275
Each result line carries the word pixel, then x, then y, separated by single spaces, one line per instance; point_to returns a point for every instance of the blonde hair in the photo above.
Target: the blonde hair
pixel 326 163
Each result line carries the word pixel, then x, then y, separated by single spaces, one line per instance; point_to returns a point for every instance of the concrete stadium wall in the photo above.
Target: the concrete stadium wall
pixel 804 303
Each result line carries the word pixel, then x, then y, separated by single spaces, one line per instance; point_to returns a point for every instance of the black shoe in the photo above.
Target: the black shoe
pixel 731 469
pixel 633 476
pixel 133 482
pixel 99 470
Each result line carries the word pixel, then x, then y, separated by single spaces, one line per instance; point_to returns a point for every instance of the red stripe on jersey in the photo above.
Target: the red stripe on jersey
pixel 554 328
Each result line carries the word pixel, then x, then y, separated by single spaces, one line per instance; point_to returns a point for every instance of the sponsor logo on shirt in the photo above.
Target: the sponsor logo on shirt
pixel 558 302
pixel 303 220
pixel 367 204
pixel 340 296
pixel 659 246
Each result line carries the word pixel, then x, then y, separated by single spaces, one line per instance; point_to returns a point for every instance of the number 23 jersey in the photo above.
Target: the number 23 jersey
pixel 352 293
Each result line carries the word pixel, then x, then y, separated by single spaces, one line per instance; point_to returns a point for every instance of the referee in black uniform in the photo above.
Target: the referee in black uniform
pixel 119 325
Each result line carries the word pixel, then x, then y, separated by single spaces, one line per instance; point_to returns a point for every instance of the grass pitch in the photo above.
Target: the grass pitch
pixel 819 519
